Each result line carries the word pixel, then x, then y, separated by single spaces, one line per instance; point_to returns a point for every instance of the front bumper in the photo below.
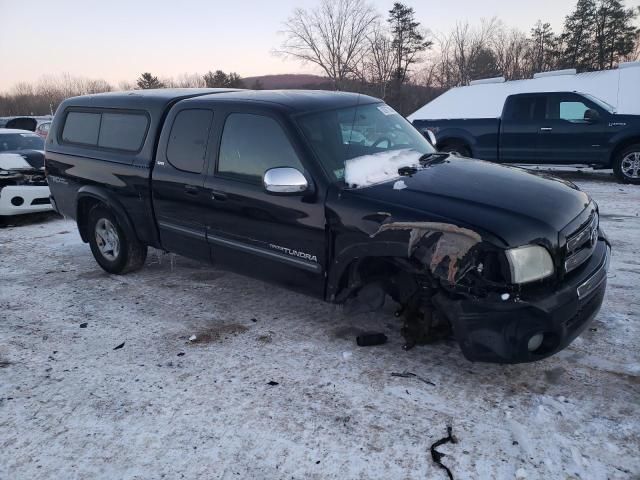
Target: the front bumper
pixel 499 331
pixel 19 199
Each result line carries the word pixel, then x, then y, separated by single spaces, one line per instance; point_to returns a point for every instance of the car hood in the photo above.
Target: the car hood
pixel 512 205
pixel 21 160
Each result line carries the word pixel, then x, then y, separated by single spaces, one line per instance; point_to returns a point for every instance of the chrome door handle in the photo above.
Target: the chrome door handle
pixel 219 196
pixel 546 129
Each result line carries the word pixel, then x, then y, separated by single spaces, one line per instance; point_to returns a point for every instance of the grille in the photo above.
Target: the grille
pixel 580 244
pixel 40 201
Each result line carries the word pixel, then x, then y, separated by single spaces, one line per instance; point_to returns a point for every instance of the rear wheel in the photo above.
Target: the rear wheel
pixel 626 165
pixel 116 250
pixel 456 147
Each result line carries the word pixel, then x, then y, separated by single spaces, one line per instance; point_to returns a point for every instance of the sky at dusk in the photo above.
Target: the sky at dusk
pixel 117 40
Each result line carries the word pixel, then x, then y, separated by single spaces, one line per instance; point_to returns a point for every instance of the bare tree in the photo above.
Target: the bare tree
pixel 380 60
pixel 468 45
pixel 44 96
pixel 442 75
pixel 543 47
pixel 635 55
pixel 190 80
pixel 512 52
pixel 331 36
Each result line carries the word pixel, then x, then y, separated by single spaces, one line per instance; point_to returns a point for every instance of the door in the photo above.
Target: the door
pixel 278 238
pixel 519 128
pixel 179 199
pixel 566 136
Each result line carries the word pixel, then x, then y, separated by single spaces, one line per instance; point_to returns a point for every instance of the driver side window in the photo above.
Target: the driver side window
pixel 567 108
pixel 251 145
pixel 570 110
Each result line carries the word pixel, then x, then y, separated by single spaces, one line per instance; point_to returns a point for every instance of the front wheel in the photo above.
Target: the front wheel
pixel 626 165
pixel 115 250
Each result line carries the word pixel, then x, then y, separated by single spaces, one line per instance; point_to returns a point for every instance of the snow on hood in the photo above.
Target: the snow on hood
pixel 379 167
pixel 13 161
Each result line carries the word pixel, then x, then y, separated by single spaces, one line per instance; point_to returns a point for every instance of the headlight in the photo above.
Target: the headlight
pixel 529 263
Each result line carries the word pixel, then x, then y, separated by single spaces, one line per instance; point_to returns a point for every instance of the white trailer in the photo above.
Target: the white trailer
pixel 619 88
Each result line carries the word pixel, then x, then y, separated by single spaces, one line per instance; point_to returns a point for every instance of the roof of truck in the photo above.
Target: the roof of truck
pixel 295 101
pixel 158 97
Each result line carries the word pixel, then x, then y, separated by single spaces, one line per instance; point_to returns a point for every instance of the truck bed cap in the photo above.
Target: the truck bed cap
pixel 146 99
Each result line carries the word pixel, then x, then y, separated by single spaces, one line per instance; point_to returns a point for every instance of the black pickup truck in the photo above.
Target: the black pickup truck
pixel 337 196
pixel 547 128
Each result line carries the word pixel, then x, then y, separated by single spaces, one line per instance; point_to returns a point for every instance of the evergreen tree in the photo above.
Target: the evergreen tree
pixel 578 36
pixel 543 47
pixel 483 65
pixel 220 79
pixel 614 33
pixel 146 81
pixel 407 41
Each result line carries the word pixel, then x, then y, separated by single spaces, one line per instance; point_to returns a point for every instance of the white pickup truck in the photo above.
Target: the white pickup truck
pixel 23 186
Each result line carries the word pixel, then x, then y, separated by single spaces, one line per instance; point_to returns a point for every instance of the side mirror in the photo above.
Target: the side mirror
pixel 284 180
pixel 430 137
pixel 591 115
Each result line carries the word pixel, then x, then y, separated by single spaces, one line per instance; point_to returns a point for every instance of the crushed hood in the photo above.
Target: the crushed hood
pixel 25 160
pixel 512 204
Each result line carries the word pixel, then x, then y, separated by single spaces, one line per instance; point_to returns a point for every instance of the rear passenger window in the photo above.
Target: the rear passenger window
pixel 524 109
pixel 188 140
pixel 81 127
pixel 252 144
pixel 103 129
pixel 122 131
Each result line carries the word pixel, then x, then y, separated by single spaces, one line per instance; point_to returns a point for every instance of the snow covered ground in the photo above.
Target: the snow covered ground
pixel 74 407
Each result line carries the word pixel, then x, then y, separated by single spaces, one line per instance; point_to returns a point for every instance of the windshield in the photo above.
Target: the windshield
pixel 600 103
pixel 364 144
pixel 11 142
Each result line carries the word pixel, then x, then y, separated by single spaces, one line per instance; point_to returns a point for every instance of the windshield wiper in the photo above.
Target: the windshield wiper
pixel 427 158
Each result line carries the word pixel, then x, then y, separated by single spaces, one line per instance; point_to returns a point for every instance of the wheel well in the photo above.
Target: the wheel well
pixel 85 204
pixel 394 273
pixel 447 142
pixel 621 146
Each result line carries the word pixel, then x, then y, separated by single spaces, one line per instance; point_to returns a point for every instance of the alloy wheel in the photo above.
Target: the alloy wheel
pixel 630 165
pixel 107 239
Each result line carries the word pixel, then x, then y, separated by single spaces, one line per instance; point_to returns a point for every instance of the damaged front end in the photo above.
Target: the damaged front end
pixel 450 280
pixel 23 187
pixel 445 260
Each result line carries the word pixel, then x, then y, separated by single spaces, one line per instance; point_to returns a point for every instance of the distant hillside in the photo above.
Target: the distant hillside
pixel 289 80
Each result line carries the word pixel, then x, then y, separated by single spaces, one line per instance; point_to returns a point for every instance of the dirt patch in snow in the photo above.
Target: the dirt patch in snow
pixel 218 333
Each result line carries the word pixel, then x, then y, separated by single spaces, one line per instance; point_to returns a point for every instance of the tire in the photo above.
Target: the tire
pixel 114 248
pixel 456 147
pixel 626 165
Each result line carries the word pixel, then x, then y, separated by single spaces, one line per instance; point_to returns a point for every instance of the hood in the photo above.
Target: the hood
pixel 22 160
pixel 513 205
